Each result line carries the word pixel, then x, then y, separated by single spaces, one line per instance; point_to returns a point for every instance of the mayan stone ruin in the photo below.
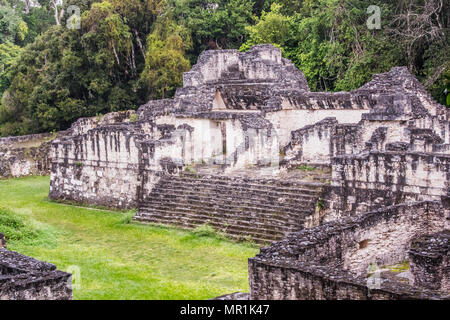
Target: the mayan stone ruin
pixel 25 155
pixel 337 182
pixel 24 278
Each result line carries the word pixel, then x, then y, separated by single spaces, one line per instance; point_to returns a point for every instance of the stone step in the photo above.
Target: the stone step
pixel 242 194
pixel 290 222
pixel 227 218
pixel 257 210
pixel 266 185
pixel 239 191
pixel 246 179
pixel 220 199
pixel 265 210
pixel 260 240
pixel 235 235
pixel 236 224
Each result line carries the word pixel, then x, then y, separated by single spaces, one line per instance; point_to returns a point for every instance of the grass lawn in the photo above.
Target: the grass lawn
pixel 119 259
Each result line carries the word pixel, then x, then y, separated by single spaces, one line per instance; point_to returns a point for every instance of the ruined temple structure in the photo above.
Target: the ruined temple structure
pixel 340 181
pixel 24 278
pixel 25 155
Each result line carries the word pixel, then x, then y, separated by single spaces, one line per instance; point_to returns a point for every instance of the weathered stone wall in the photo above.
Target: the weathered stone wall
pixel 24 278
pixel 331 261
pixel 237 111
pixel 276 280
pixel 99 167
pixel 376 179
pixel 262 63
pixel 234 140
pixel 25 155
pixel 311 144
pixel 97 161
pixel 287 121
pixel 429 260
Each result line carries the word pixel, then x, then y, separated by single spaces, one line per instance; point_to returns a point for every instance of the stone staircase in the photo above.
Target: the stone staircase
pixel 263 210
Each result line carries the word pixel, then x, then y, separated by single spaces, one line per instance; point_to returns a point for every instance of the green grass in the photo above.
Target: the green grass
pixel 305 168
pixel 398 268
pixel 118 259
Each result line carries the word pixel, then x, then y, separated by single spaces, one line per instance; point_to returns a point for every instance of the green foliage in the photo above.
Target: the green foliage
pixel 206 230
pixel 329 41
pixel 272 27
pixel 165 61
pixel 213 24
pixel 12 27
pixel 320 204
pixel 64 75
pixel 134 118
pixel 398 268
pixel 334 48
pixel 130 51
pixel 40 95
pixel 436 71
pixel 20 228
pixel 306 168
pixel 8 53
pixel 189 169
pixel 13 226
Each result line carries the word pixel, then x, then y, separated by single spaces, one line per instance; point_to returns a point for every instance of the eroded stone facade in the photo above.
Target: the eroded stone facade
pixel 24 278
pixel 25 155
pixel 332 261
pixel 234 148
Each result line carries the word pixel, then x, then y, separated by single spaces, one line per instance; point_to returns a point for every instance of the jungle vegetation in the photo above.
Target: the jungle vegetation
pixel 127 52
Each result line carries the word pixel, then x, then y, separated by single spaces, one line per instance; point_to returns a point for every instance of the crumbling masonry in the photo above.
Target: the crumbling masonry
pixel 24 278
pixel 342 180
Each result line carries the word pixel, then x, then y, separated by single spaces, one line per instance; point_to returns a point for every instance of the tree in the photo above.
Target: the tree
pixel 422 30
pixel 213 24
pixel 67 74
pixel 8 54
pixel 12 27
pixel 165 62
pixel 328 40
pixel 273 27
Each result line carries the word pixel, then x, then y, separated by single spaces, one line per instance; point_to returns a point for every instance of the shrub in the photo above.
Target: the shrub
pixel 306 168
pixel 14 226
pixel 21 229
pixel 134 118
pixel 205 230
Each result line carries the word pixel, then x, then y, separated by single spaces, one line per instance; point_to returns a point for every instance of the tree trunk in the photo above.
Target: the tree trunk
pixel 141 47
pixel 56 15
pixel 27 6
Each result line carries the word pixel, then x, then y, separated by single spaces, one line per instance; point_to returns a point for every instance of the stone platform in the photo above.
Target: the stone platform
pixel 25 278
pixel 257 209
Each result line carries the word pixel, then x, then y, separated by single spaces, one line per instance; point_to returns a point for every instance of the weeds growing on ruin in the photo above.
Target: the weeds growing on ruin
pixel 306 168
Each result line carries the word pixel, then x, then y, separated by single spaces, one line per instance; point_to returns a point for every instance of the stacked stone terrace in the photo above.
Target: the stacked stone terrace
pixel 429 261
pixel 243 208
pixel 24 278
pixel 385 144
pixel 333 261
pixel 25 155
